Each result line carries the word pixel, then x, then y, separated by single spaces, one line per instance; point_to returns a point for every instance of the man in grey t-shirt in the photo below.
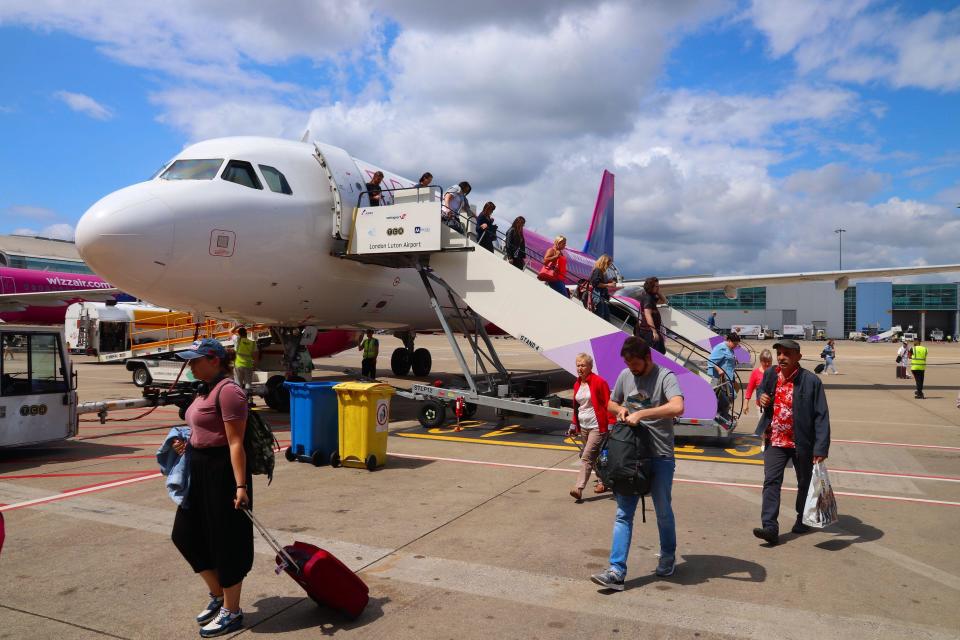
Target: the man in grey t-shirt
pixel 645 396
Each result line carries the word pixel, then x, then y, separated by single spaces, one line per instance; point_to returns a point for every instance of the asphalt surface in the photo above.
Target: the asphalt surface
pixel 471 533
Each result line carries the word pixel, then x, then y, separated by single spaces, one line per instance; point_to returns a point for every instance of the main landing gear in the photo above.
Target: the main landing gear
pixel 406 357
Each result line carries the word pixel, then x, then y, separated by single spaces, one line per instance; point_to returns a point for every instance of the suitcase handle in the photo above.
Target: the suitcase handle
pixel 272 541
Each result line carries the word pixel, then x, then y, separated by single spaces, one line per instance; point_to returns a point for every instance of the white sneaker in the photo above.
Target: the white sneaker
pixel 225 622
pixel 213 608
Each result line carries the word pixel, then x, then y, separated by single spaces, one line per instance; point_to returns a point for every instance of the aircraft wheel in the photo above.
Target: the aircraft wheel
pixel 400 361
pixel 277 396
pixel 141 377
pixel 432 414
pixel 422 362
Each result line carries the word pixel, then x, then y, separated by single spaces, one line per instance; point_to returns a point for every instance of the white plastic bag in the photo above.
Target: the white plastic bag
pixel 820 509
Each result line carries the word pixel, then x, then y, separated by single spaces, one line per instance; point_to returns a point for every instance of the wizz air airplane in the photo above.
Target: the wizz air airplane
pixel 29 296
pixel 260 230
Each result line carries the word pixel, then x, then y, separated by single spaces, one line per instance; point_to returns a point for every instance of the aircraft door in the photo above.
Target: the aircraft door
pixel 346 184
pixel 7 285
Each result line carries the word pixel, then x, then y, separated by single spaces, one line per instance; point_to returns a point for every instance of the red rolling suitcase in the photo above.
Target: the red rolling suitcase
pixel 326 580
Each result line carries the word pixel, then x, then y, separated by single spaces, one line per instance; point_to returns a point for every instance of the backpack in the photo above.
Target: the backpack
pixel 629 470
pixel 259 443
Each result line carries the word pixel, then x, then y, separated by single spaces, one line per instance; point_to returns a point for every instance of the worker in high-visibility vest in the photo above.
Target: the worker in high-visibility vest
pixel 370 347
pixel 247 357
pixel 918 366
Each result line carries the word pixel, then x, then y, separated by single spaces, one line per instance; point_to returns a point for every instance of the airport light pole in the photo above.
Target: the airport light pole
pixel 840 233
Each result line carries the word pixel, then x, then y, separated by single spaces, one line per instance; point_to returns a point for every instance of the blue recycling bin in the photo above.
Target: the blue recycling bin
pixel 314 426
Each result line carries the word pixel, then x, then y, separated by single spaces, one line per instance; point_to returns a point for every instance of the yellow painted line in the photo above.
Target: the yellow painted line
pixel 558 447
pixel 502 432
pixel 502 443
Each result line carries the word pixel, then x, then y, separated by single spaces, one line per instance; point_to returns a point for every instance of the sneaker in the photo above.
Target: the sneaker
pixel 213 608
pixel 666 566
pixel 226 622
pixel 609 579
pixel 799 528
pixel 770 535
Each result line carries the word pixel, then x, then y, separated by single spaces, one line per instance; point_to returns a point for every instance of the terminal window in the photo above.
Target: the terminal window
pixel 926 297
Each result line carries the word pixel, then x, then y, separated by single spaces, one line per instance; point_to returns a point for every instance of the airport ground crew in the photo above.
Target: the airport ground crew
pixel 918 366
pixel 370 347
pixel 247 358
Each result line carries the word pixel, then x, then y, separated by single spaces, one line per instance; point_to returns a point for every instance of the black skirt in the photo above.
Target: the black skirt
pixel 210 533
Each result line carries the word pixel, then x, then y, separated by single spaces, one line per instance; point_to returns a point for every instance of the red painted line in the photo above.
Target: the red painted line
pixel 898 444
pixel 75 459
pixel 715 483
pixel 110 483
pixel 78 492
pixel 70 475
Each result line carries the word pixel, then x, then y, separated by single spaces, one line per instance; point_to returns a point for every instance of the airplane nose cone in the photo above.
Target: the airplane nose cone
pixel 127 238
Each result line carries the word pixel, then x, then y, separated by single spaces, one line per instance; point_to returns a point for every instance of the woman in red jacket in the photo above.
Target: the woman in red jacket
pixel 591 394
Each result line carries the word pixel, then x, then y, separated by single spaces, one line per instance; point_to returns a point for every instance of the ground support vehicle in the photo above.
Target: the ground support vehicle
pixel 38 397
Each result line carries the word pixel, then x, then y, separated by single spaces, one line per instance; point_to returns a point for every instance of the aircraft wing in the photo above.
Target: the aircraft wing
pixel 19 301
pixel 730 284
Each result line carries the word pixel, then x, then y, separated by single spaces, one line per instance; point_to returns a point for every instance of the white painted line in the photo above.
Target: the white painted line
pixel 716 483
pixel 907 445
pixel 78 492
pixel 897 424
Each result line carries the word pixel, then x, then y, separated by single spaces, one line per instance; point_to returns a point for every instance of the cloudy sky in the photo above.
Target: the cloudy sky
pixel 741 133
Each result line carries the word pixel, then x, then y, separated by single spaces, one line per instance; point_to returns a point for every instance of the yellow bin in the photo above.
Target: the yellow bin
pixel 364 412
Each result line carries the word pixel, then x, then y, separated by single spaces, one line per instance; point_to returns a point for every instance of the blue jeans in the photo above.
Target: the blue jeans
pixel 601 307
pixel 661 485
pixel 559 287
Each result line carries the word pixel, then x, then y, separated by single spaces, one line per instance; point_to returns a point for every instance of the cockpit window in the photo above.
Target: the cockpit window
pixel 193 169
pixel 275 180
pixel 241 172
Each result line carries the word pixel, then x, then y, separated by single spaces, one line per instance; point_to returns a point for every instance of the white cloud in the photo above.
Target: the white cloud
pixel 84 104
pixel 530 101
pixel 59 231
pixel 836 182
pixel 864 41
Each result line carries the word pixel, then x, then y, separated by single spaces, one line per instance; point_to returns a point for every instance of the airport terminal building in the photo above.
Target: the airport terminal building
pixel 871 307
pixel 42 254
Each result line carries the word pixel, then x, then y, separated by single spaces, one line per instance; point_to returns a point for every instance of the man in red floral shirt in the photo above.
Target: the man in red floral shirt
pixel 796 428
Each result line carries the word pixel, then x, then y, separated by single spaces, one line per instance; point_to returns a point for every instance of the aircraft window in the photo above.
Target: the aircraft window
pixel 193 169
pixel 242 173
pixel 275 180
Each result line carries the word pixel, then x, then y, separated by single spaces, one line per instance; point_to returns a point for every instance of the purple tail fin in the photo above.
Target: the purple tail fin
pixel 600 236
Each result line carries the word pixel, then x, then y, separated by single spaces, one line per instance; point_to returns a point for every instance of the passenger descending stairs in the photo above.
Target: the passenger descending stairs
pixel 557 327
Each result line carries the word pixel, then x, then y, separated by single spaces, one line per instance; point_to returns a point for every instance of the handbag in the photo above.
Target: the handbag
pixel 547 273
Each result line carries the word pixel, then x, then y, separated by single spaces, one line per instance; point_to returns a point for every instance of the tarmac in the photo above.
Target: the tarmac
pixel 472 534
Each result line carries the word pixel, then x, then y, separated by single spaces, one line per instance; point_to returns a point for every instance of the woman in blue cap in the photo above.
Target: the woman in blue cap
pixel 212 532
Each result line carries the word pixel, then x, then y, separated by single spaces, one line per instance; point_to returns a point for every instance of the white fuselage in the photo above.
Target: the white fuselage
pixel 223 249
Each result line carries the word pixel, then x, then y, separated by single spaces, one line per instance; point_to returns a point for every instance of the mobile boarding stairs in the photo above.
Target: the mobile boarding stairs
pixel 468 285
